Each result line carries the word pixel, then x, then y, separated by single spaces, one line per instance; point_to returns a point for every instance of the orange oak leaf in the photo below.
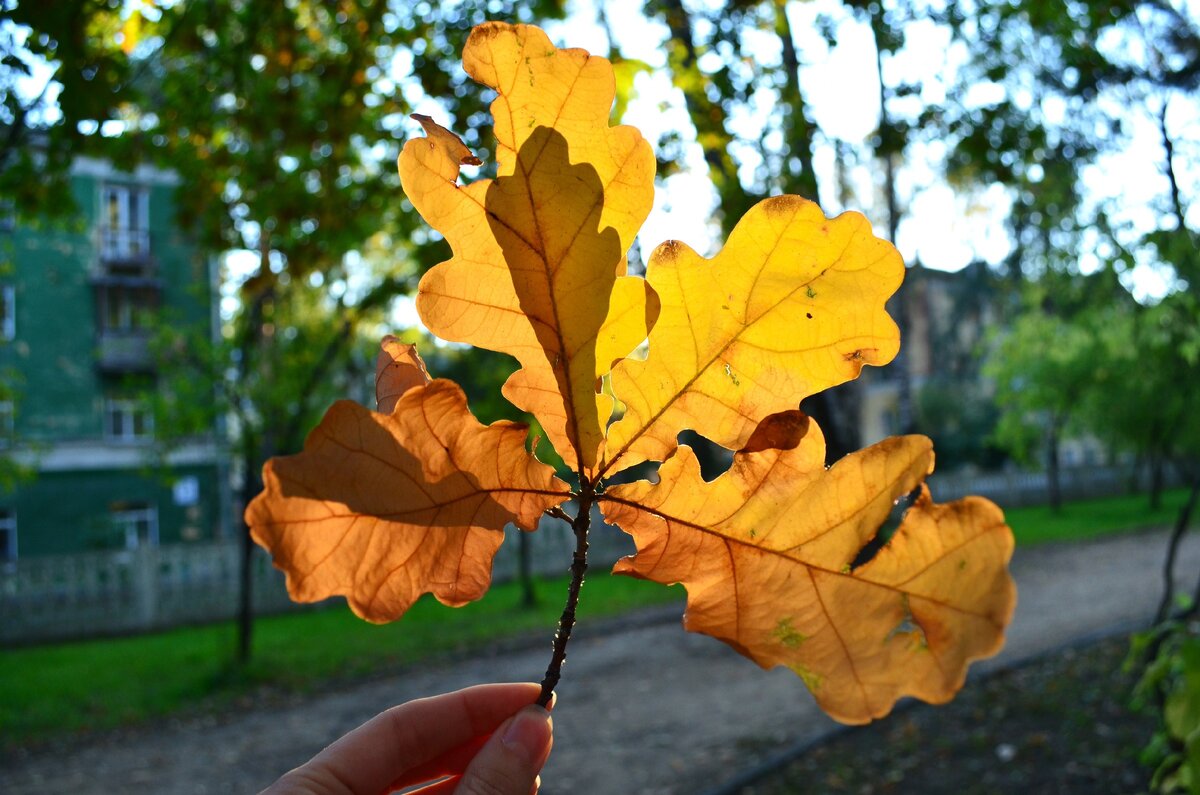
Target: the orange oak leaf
pixel 766 552
pixel 398 368
pixel 792 305
pixel 381 508
pixel 539 252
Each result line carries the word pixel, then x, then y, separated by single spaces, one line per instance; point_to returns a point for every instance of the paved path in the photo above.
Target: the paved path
pixel 649 710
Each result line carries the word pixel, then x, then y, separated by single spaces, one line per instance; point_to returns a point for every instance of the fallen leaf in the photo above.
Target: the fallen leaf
pixel 766 552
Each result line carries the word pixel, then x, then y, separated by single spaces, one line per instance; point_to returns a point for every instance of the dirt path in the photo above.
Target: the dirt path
pixel 650 710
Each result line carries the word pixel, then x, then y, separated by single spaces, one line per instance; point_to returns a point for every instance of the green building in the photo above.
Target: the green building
pixel 78 303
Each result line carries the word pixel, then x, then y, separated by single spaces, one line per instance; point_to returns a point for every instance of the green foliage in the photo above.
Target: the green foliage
pixel 1042 367
pixel 79 39
pixel 1170 684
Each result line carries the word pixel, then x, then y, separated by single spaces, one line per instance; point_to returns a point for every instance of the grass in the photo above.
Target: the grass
pixel 53 691
pixel 1093 518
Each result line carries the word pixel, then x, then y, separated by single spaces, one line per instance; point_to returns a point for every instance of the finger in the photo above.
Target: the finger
pixel 447 786
pixel 511 760
pixel 451 763
pixel 444 787
pixel 382 750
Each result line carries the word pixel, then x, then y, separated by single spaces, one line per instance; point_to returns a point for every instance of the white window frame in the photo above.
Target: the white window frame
pixel 124 220
pixel 128 522
pixel 8 312
pixel 128 409
pixel 8 523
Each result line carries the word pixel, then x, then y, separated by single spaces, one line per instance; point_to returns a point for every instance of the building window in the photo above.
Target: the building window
pixel 8 312
pixel 126 308
pixel 136 523
pixel 124 222
pixel 7 423
pixel 8 536
pixel 127 420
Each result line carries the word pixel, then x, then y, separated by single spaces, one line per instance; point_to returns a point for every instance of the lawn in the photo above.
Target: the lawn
pixel 1093 518
pixel 56 690
pixel 52 691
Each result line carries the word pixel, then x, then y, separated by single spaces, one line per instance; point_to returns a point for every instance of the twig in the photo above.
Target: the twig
pixel 579 566
pixel 559 513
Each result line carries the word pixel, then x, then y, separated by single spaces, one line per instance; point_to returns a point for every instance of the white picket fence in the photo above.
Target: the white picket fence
pixel 113 593
pixel 1018 489
pixel 90 594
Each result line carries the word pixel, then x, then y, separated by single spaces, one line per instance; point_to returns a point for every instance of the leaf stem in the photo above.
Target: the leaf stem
pixel 559 513
pixel 566 621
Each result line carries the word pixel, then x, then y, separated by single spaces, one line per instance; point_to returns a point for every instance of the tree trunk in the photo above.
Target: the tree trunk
pixel 1053 482
pixel 798 130
pixel 1181 525
pixel 707 117
pixel 525 570
pixel 1156 481
pixel 251 486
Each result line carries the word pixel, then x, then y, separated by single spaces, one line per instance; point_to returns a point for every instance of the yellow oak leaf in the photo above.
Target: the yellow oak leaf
pixel 766 552
pixel 539 251
pixel 571 91
pixel 398 368
pixel 792 305
pixel 381 508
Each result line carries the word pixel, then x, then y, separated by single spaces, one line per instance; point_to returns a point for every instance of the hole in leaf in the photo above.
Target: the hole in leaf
pixel 714 459
pixel 886 530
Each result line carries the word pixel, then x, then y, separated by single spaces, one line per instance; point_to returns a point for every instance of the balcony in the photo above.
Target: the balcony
pixel 125 311
pixel 125 252
pixel 124 351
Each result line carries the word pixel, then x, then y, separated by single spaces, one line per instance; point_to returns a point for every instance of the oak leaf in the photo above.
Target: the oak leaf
pixel 793 304
pixel 766 552
pixel 398 368
pixel 539 252
pixel 384 507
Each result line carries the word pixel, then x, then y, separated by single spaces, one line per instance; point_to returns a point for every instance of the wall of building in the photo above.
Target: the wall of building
pixel 73 511
pixel 90 477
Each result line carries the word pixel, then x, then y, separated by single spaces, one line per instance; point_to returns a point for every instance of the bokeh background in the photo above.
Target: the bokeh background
pixel 203 239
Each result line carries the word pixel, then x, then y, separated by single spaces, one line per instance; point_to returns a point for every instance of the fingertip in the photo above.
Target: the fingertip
pixel 529 734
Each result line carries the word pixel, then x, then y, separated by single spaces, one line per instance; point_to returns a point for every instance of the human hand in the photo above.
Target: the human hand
pixel 486 739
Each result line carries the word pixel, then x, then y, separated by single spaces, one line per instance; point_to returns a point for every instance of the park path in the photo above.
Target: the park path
pixel 650 709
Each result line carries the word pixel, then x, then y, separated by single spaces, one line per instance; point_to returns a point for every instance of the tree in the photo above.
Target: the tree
pixel 50 114
pixel 282 122
pixel 1043 369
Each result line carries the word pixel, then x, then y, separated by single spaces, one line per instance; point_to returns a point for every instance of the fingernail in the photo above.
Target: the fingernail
pixel 528 733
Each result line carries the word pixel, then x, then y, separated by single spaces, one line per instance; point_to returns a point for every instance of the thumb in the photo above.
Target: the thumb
pixel 509 762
